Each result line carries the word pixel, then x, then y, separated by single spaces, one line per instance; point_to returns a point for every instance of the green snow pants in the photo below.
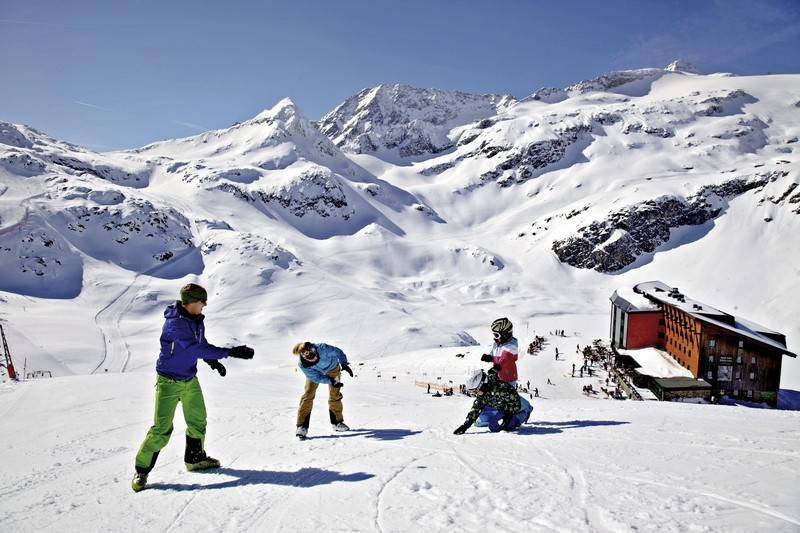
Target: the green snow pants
pixel 335 409
pixel 168 393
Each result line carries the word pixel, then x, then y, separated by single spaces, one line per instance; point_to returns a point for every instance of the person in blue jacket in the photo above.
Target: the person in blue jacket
pixel 321 363
pixel 183 342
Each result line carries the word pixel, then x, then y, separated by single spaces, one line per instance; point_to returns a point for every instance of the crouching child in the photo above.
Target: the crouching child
pixel 497 400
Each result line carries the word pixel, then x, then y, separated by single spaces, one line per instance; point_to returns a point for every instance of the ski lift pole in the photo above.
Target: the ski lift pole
pixel 9 364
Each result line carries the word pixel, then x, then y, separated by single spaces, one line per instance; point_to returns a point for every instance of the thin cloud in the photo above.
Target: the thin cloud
pixel 74 26
pixel 52 24
pixel 189 125
pixel 95 106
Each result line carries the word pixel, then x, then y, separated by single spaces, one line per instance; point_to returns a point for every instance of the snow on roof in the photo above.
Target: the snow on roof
pixel 630 301
pixel 672 296
pixel 656 363
pixel 659 291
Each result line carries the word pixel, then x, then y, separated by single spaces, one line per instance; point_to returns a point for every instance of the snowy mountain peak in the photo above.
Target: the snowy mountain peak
pixel 404 120
pixel 269 128
pixel 451 200
pixel 287 117
pixel 680 65
pixel 629 82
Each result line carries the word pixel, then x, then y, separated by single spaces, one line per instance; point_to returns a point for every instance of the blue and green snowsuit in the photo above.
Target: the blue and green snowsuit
pixel 183 342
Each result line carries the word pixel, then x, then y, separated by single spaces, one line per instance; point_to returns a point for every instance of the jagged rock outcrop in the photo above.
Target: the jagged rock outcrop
pixel 598 137
pixel 406 120
pixel 612 244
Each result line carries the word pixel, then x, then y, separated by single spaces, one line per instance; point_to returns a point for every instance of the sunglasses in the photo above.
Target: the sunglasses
pixel 309 356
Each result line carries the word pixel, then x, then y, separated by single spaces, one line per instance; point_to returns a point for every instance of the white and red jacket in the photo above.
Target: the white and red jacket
pixel 505 356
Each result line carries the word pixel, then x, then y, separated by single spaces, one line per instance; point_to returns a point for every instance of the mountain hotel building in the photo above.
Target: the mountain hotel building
pixel 738 358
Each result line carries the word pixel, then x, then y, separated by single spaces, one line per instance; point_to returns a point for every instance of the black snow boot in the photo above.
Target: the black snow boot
pixel 195 457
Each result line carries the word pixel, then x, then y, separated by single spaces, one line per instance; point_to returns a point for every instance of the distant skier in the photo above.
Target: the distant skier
pixel 183 342
pixel 321 363
pixel 505 351
pixel 496 399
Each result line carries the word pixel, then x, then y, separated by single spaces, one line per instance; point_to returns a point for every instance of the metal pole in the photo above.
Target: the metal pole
pixel 9 365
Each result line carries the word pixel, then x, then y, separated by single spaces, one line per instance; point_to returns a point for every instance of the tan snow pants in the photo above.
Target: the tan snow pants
pixel 335 409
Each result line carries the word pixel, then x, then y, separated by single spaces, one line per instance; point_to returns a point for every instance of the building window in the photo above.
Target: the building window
pixel 750 394
pixel 710 358
pixel 752 375
pixel 739 360
pixel 712 343
pixel 741 344
pixel 710 375
pixel 738 374
pixel 753 360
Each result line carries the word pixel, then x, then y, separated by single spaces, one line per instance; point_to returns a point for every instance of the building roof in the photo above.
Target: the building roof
pixel 673 384
pixel 631 302
pixel 656 363
pixel 657 291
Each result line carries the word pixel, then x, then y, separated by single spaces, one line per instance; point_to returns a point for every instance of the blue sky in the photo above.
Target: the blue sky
pixel 118 75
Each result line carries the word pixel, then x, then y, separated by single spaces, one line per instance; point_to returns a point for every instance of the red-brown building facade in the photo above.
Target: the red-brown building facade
pixel 738 358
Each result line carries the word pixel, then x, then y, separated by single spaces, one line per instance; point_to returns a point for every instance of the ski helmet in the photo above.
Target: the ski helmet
pixel 503 326
pixel 475 380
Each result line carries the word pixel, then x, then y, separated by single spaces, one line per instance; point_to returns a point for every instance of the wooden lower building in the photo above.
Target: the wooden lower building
pixel 740 359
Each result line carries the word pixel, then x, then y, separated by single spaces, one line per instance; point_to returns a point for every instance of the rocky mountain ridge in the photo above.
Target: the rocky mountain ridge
pixel 411 121
pixel 301 173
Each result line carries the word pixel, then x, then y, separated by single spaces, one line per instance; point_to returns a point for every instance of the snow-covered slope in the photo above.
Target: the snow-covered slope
pixel 581 464
pixel 528 209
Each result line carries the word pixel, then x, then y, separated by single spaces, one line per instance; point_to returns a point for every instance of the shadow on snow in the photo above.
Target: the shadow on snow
pixel 379 434
pixel 544 428
pixel 305 477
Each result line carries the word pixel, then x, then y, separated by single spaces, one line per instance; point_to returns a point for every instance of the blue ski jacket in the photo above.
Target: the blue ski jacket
pixel 330 357
pixel 183 342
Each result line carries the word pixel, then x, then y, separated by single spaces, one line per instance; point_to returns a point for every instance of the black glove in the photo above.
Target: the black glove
pixel 336 383
pixel 487 358
pixel 461 429
pixel 241 352
pixel 216 365
pixel 506 420
pixel 347 369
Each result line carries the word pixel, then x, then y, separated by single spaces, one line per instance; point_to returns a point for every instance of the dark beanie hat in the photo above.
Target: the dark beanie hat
pixel 193 292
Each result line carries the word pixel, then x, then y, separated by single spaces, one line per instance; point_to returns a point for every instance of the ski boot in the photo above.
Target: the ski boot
pixel 195 457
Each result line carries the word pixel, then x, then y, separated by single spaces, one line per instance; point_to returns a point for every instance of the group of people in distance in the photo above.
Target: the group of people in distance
pixel 183 343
